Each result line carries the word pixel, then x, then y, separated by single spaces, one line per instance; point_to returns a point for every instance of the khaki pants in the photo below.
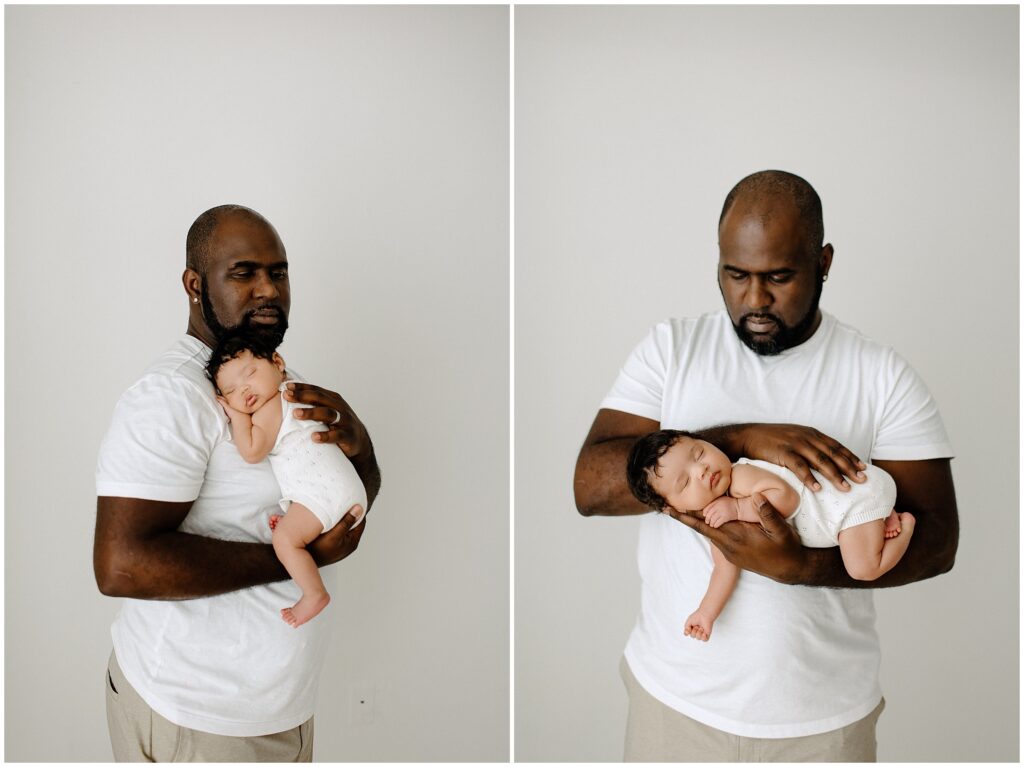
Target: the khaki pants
pixel 657 733
pixel 139 734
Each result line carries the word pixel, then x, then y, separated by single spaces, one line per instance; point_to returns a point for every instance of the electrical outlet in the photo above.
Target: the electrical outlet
pixel 362 702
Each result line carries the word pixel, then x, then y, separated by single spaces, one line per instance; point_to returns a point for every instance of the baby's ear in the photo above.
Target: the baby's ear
pixel 279 361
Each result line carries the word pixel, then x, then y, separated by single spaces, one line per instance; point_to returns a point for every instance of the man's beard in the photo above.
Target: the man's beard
pixel 785 337
pixel 274 332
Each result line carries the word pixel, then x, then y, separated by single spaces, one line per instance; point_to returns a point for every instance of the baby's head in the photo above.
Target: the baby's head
pixel 246 370
pixel 674 469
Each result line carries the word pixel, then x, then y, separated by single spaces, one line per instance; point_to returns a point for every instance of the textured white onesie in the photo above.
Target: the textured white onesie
pixel 821 516
pixel 316 474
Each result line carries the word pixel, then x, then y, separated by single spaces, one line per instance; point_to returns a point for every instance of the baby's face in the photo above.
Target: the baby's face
pixel 248 383
pixel 691 474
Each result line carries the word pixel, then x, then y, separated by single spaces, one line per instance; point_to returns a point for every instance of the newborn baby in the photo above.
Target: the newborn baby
pixel 318 482
pixel 671 468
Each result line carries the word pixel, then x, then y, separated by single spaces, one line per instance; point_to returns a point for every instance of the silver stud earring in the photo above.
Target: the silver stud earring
pixel 824 278
pixel 196 300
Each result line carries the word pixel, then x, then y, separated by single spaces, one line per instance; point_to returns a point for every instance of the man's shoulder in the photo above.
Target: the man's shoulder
pixel 848 339
pixel 682 329
pixel 178 373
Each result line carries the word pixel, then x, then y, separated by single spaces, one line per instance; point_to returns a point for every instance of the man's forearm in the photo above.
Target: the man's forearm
pixel 728 439
pixel 175 565
pixel 824 567
pixel 600 483
pixel 366 467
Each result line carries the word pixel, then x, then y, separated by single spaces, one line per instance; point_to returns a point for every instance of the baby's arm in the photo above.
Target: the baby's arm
pixel 747 480
pixel 255 435
pixel 720 588
pixel 868 554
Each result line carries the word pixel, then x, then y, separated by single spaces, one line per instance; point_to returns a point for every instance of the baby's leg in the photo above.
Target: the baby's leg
pixel 297 528
pixel 892 525
pixel 867 552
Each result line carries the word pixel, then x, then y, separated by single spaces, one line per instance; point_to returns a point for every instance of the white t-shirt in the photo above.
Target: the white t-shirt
pixel 227 664
pixel 784 661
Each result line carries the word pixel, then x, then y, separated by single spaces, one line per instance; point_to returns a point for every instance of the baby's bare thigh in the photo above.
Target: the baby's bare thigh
pixel 298 527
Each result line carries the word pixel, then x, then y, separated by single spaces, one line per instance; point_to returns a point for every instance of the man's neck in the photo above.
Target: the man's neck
pixel 206 337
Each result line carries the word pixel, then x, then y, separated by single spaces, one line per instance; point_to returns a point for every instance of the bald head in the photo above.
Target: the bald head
pixel 770 194
pixel 197 242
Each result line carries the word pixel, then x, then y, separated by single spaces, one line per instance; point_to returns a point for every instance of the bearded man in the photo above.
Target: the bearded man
pixel 791 673
pixel 203 668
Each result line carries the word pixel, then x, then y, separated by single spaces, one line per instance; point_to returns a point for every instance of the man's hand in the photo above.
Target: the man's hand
pixel 343 427
pixel 337 543
pixel 798 448
pixel 770 548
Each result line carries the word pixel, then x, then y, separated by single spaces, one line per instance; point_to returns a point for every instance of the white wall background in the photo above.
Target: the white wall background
pixel 376 141
pixel 632 124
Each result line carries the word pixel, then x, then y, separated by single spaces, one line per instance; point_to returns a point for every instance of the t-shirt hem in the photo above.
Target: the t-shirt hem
pixel 746 729
pixel 206 723
pixel 175 494
pixel 633 408
pixel 913 452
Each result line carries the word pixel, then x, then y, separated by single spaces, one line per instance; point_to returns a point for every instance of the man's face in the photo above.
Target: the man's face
pixel 770 279
pixel 246 281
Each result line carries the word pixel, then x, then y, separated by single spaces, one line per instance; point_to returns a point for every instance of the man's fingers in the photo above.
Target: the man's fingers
pixel 834 462
pixel 694 522
pixel 310 394
pixel 796 464
pixel 771 520
pixel 354 516
pixel 323 414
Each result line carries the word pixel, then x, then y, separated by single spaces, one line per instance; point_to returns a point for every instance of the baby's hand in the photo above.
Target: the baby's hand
pixel 229 411
pixel 720 511
pixel 699 626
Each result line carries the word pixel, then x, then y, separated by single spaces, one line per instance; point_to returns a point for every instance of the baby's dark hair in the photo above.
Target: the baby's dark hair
pixel 643 459
pixel 261 345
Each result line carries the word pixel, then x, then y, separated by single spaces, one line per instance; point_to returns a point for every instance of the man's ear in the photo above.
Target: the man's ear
pixel 826 258
pixel 192 283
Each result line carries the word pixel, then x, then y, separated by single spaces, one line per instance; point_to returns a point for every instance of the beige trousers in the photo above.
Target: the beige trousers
pixel 139 734
pixel 657 733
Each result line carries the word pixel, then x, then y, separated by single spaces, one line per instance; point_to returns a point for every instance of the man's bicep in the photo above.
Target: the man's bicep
pixel 615 424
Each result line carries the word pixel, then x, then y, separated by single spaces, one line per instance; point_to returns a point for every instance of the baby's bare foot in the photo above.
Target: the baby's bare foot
pixel 892 525
pixel 305 609
pixel 274 519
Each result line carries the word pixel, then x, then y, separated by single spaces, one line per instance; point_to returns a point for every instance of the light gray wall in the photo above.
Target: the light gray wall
pixel 376 140
pixel 631 126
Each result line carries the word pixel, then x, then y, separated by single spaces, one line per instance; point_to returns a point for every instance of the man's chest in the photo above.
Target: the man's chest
pixel 236 498
pixel 836 400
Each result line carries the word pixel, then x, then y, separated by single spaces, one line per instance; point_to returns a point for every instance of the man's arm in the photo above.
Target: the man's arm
pixel 343 429
pixel 600 484
pixel 772 548
pixel 798 448
pixel 138 552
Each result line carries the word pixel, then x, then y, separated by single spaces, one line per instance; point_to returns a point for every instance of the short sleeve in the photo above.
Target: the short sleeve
pixel 640 387
pixel 911 427
pixel 159 442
